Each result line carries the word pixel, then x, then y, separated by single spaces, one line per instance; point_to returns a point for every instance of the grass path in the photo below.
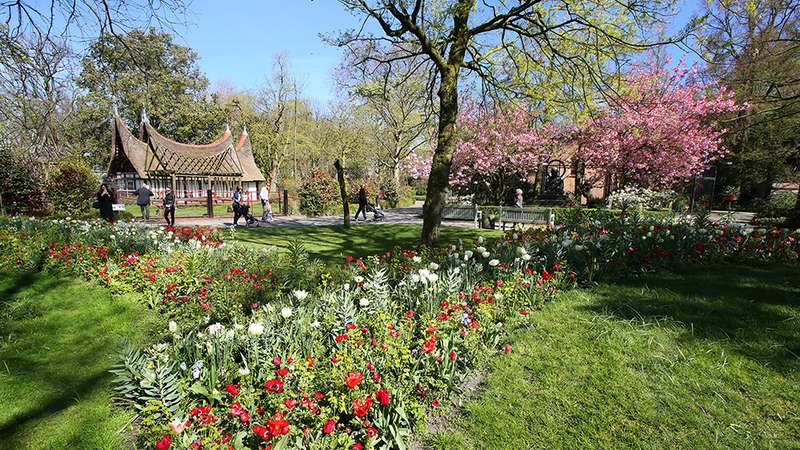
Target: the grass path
pixel 701 358
pixel 55 338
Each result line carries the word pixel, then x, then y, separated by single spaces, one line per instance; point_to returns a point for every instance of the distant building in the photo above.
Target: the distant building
pixel 190 170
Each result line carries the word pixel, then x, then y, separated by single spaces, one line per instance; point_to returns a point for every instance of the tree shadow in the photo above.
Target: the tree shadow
pixel 754 312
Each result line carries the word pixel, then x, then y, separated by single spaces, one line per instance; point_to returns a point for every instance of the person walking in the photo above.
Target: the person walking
pixel 266 208
pixel 105 202
pixel 169 208
pixel 362 202
pixel 236 204
pixel 143 195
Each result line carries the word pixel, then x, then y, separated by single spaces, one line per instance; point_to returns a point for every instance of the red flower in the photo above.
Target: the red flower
pixel 282 372
pixel 434 404
pixel 274 385
pixel 524 312
pixel 383 397
pixel 278 425
pixel 341 337
pixel 232 389
pixel 164 442
pixel 546 275
pixel 261 431
pixel 276 360
pixel 319 395
pixel 350 326
pixel 361 406
pixel 452 356
pixel 353 379
pixel 330 425
pixel 357 446
pixel 430 345
pixel 372 432
pixel 507 348
pixel 290 403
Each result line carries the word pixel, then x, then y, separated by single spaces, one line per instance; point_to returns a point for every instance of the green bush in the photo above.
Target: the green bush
pixel 71 190
pixel 318 194
pixel 780 204
pixel 22 186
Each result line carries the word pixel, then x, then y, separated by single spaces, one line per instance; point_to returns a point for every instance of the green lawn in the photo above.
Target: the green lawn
pixel 701 358
pixel 55 338
pixel 332 243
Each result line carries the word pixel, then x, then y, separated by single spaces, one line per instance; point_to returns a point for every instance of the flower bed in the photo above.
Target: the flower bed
pixel 265 350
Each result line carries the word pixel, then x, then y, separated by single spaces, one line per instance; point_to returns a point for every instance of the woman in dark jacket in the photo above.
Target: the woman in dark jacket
pixel 362 203
pixel 169 208
pixel 105 200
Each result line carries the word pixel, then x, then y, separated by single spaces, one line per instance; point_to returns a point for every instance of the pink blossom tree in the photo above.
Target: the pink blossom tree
pixel 498 150
pixel 661 131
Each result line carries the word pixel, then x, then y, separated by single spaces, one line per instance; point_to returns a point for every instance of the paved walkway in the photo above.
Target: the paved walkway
pixel 409 215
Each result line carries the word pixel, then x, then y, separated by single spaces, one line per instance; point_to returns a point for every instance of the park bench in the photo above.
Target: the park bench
pixel 462 212
pixel 528 216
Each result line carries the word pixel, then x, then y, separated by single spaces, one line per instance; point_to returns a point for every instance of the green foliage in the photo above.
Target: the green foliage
pixel 318 193
pixel 144 69
pixel 71 190
pixel 141 384
pixel 780 204
pixel 22 185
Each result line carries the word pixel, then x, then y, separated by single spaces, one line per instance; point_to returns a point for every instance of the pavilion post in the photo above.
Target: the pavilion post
pixel 285 202
pixel 210 199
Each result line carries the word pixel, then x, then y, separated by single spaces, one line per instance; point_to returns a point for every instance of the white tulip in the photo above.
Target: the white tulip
pixel 494 263
pixel 467 255
pixel 300 294
pixel 215 328
pixel 286 312
pixel 315 324
pixel 433 266
pixel 480 249
pixel 358 279
pixel 363 302
pixel 173 326
pixel 433 278
pixel 480 239
pixel 457 270
pixel 414 278
pixel 244 371
pixel 485 254
pixel 526 257
pixel 416 259
pixel 256 329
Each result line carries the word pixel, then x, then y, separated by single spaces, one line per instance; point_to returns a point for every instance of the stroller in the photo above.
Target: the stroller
pixel 377 212
pixel 249 220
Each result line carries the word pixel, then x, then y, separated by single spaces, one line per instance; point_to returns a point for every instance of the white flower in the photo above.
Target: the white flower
pixel 414 278
pixel 256 329
pixel 363 302
pixel 244 371
pixel 433 278
pixel 286 312
pixel 358 279
pixel 480 239
pixel 300 295
pixel 433 266
pixel 494 263
pixel 480 249
pixel 467 255
pixel 346 286
pixel 515 236
pixel 173 326
pixel 526 257
pixel 416 259
pixel 579 248
pixel 315 324
pixel 457 270
pixel 215 328
pixel 485 254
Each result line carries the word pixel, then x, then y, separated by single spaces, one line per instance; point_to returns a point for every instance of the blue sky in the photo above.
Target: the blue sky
pixel 237 39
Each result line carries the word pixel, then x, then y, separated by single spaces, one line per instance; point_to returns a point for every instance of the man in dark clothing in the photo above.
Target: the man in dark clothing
pixel 236 204
pixel 362 203
pixel 169 208
pixel 143 195
pixel 105 201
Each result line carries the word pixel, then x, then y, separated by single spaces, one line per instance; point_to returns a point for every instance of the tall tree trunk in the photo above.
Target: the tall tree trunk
pixel 343 192
pixel 439 178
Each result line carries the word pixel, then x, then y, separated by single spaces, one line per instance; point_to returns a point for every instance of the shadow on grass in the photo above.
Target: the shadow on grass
pixel 331 243
pixel 753 311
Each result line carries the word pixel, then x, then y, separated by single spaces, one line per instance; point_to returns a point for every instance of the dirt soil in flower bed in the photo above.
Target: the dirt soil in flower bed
pixel 705 357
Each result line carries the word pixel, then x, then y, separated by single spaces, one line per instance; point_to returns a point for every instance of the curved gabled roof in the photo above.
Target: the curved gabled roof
pixel 158 155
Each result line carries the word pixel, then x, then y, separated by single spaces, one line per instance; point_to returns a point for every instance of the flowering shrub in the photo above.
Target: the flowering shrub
pixel 264 350
pixel 633 197
pixel 318 193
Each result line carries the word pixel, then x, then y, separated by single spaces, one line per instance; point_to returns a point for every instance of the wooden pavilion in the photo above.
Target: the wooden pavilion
pixel 189 170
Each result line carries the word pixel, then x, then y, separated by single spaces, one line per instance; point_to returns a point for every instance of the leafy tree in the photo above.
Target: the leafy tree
pixel 145 70
pixel 753 47
pixel 506 46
